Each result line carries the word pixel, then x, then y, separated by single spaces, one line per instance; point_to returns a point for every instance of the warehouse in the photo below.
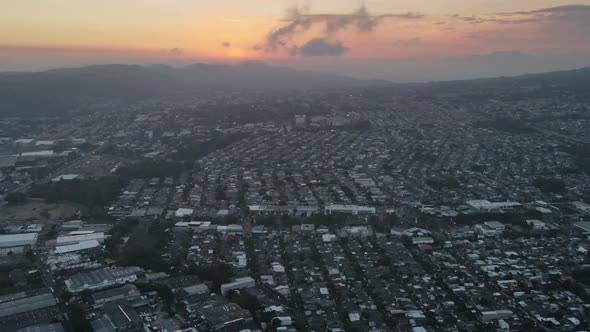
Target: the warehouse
pixel 73 239
pixel 17 243
pixel 27 311
pixel 84 245
pixel 102 278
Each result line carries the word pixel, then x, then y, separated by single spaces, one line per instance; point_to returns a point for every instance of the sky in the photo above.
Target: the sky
pixel 341 35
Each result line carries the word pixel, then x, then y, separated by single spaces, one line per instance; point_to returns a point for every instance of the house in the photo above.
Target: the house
pixel 536 224
pixel 239 283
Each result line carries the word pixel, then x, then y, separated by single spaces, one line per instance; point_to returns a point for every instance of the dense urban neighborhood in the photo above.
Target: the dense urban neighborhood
pixel 414 208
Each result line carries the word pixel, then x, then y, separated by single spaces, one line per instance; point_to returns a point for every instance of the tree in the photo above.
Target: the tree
pixel 15 198
pixel 245 300
pixel 65 296
pixel 549 185
pixel 78 319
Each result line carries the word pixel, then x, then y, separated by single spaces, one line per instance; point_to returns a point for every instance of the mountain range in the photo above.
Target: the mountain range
pixel 54 91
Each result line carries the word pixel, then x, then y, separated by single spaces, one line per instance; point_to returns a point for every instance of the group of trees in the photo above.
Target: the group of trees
pixel 92 193
pixel 549 185
pixel 15 198
pixel 217 274
pixel 144 248
pixel 193 151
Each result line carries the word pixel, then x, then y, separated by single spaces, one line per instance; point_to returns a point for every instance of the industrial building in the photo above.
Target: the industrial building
pixel 17 243
pixel 349 209
pixel 74 239
pixel 27 310
pixel 102 278
pixel 81 246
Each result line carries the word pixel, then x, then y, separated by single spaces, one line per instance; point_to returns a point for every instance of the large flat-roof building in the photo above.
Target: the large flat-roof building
pixel 487 206
pixel 84 245
pixel 27 310
pixel 17 243
pixel 16 240
pixel 74 239
pixel 349 209
pixel 102 278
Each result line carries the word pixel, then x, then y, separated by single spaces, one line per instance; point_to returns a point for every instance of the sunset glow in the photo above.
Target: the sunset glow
pixel 180 30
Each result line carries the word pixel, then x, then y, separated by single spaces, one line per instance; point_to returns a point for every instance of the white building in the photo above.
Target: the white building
pixel 239 283
pixel 536 224
pixel 496 225
pixel 487 206
pixel 66 177
pixel 18 240
pixel 74 239
pixel 102 278
pixel 183 212
pixel 583 207
pixel 197 226
pixel 349 209
pixel 38 154
pixel 84 245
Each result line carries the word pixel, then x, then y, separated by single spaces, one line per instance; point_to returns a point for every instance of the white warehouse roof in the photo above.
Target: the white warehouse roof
pixel 77 247
pixel 15 240
pixel 71 239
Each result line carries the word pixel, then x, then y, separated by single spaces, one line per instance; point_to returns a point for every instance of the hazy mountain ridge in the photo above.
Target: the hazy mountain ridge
pixel 59 90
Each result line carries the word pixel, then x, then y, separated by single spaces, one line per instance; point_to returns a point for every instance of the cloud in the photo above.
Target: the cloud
pixel 299 21
pixel 572 14
pixel 319 47
pixel 551 10
pixel 226 44
pixel 408 42
pixel 175 51
pixel 464 18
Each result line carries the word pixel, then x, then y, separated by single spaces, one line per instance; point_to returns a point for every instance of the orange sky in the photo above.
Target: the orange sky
pixel 240 29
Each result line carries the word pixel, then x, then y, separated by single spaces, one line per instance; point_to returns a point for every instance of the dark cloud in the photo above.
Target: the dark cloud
pixel 299 21
pixel 464 18
pixel 319 47
pixel 225 44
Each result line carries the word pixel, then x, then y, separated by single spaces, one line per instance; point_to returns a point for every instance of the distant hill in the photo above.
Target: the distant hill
pixel 573 83
pixel 59 90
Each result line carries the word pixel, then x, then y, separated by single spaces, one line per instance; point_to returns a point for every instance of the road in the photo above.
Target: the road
pixel 567 137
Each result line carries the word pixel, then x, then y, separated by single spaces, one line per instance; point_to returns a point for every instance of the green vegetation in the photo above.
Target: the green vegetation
pixel 6 285
pixel 144 248
pixel 193 151
pixel 245 300
pixel 549 185
pixel 94 194
pixel 15 198
pixel 78 319
pixel 163 292
pixel 216 273
pixel 582 275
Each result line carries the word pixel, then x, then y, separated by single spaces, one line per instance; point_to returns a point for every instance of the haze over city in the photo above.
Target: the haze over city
pixel 395 40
